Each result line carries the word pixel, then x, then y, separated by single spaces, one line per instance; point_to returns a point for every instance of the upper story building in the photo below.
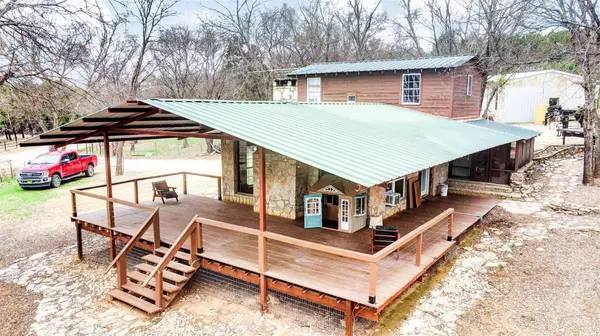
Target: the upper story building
pixel 449 87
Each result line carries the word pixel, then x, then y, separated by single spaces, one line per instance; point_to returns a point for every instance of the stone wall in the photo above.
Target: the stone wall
pixel 438 175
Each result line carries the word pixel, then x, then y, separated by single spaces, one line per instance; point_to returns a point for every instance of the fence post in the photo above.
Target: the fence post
pixel 184 183
pixel 74 204
pixel 156 227
pixel 10 168
pixel 219 188
pixel 158 300
pixel 450 225
pixel 122 271
pixel 199 236
pixel 373 282
pixel 135 190
pixel 419 249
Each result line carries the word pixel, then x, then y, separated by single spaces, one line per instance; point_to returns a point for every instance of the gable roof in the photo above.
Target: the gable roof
pixel 521 75
pixel 383 65
pixel 364 143
pixel 521 132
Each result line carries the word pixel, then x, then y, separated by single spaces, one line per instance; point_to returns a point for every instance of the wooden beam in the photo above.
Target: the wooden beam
pixel 142 108
pixel 177 134
pixel 517 155
pixel 262 225
pixel 373 282
pixel 104 129
pixel 79 241
pixel 349 317
pixel 113 119
pixel 161 125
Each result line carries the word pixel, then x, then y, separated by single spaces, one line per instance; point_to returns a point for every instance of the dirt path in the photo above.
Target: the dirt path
pixel 534 271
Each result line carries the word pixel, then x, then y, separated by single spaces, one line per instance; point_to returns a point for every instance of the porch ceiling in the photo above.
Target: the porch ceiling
pixel 365 143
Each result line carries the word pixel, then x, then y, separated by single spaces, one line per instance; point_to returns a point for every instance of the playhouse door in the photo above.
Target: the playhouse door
pixel 345 215
pixel 313 211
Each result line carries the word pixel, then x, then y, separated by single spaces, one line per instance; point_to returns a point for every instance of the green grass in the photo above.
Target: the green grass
pixel 18 203
pixel 161 148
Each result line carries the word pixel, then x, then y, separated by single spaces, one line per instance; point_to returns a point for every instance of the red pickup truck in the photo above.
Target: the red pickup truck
pixel 52 168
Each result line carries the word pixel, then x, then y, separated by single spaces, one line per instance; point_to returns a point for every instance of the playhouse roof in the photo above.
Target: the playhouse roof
pixel 365 143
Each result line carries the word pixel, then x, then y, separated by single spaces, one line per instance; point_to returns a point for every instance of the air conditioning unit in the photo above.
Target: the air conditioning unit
pixel 392 199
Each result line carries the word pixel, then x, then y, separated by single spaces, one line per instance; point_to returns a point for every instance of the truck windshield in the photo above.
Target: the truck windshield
pixel 46 159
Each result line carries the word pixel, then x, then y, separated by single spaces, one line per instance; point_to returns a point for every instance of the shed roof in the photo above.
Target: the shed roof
pixel 364 143
pixel 384 65
pixel 520 132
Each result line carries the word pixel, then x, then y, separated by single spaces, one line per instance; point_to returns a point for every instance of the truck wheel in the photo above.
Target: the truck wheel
pixel 56 181
pixel 89 172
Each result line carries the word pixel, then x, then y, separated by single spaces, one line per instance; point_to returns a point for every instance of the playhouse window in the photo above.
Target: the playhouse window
pixel 244 168
pixel 359 205
pixel 313 90
pixel 411 89
pixel 312 206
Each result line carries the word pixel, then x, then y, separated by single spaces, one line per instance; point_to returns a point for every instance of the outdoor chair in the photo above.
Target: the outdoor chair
pixel 162 190
pixel 382 236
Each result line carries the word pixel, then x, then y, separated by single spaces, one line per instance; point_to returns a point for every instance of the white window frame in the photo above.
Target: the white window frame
pixel 393 197
pixel 313 206
pixel 402 102
pixel 360 209
pixel 348 98
pixel 308 90
pixel 427 173
pixel 469 85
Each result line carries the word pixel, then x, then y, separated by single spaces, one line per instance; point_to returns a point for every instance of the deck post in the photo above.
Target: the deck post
pixel 194 245
pixel 516 156
pixel 109 194
pixel 74 204
pixel 450 225
pixel 156 229
pixel 373 282
pixel 158 300
pixel 79 240
pixel 262 241
pixel 136 192
pixel 219 188
pixel 419 249
pixel 199 236
pixel 184 183
pixel 349 317
pixel 122 271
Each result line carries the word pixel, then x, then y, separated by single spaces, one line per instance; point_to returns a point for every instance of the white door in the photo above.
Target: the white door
pixel 345 215
pixel 519 104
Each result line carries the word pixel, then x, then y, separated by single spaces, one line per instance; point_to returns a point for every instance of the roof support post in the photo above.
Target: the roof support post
pixel 262 241
pixel 109 205
pixel 517 155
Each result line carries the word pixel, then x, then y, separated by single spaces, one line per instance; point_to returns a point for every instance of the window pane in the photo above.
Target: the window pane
pixel 411 89
pixel 244 168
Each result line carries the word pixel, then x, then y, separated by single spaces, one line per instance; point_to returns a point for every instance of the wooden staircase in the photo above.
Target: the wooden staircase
pixel 155 283
pixel 177 273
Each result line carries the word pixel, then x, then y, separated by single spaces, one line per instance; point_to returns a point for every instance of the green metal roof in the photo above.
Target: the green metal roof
pixel 364 143
pixel 520 132
pixel 383 65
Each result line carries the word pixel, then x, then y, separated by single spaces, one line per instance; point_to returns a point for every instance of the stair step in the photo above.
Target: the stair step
pixel 143 291
pixel 177 278
pixel 178 255
pixel 142 304
pixel 141 277
pixel 151 258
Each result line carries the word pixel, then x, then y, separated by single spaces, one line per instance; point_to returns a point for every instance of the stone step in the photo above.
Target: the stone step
pixel 485 193
pixel 135 301
pixel 153 259
pixel 143 291
pixel 141 277
pixel 179 255
pixel 168 275
pixel 475 186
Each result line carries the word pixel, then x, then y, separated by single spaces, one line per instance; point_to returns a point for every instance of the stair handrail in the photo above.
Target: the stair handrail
pixel 135 238
pixel 185 234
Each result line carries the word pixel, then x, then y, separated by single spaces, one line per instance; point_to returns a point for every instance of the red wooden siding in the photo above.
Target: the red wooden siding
pixel 463 106
pixel 443 93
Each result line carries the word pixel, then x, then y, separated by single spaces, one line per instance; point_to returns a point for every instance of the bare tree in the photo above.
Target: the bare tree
pixel 582 19
pixel 362 25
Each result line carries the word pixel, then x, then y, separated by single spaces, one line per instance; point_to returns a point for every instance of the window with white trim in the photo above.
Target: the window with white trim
pixel 411 89
pixel 425 182
pixel 359 205
pixel 469 85
pixel 313 90
pixel 312 206
pixel 394 191
pixel 351 98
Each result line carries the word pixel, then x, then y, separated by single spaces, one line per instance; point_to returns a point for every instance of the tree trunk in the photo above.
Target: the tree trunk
pixel 597 146
pixel 131 146
pixel 119 171
pixel 185 143
pixel 209 146
pixel 588 135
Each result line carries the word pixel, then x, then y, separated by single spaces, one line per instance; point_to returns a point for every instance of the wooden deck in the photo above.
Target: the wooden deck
pixel 338 276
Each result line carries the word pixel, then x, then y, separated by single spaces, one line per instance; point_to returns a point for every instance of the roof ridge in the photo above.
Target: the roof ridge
pixel 266 102
pixel 390 59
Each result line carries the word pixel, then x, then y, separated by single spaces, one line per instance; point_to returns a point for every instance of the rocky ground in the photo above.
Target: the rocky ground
pixel 532 272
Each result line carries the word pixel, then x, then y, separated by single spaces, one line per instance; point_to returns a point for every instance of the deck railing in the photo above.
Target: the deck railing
pixel 371 259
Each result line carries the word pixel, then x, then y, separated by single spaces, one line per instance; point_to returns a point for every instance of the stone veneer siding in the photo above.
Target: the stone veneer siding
pixel 437 176
pixel 287 182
